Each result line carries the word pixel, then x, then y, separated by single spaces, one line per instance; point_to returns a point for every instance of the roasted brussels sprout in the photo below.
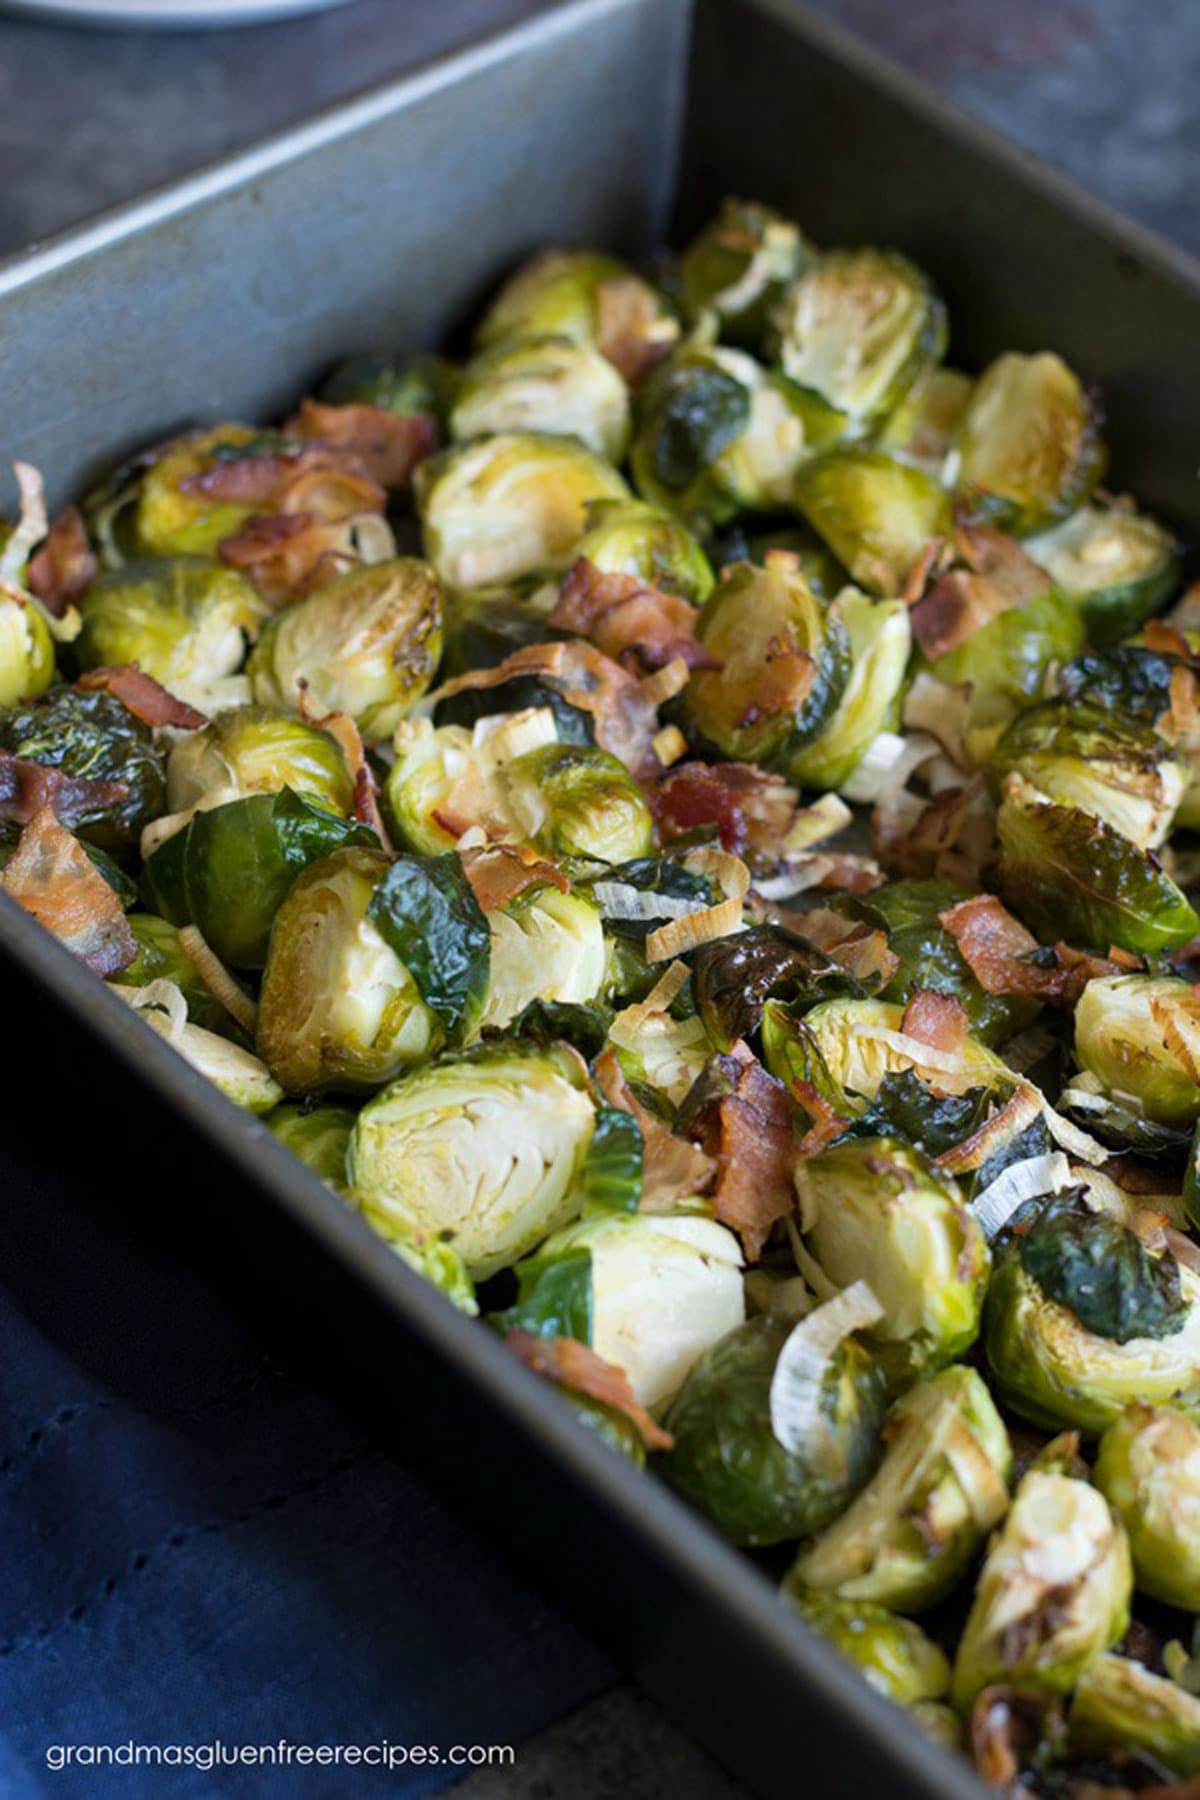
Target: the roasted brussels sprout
pixel 545 945
pixel 1139 1035
pixel 859 328
pixel 171 518
pixel 855 1044
pixel 509 506
pixel 1053 1594
pixel 543 384
pixel 198 875
pixel 434 1257
pixel 366 643
pixel 26 651
pixel 629 537
pixel 1081 1318
pixel 729 1462
pixel 483 1150
pixel 92 735
pixel 254 750
pixel 1030 449
pixel 587 296
pixel 405 385
pixel 893 1655
pixel 374 963
pixel 1120 1705
pixel 717 434
pixel 1070 875
pixel 1116 565
pixel 738 267
pixel 876 514
pixel 784 665
pixel 880 640
pixel 1081 756
pixel 239 1075
pixel 648 1291
pixel 875 1209
pixel 924 428
pixel 1148 1470
pixel 318 1135
pixel 184 620
pixel 917 1524
pixel 512 777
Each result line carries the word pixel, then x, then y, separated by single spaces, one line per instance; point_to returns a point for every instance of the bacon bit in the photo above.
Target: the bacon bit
pixel 51 876
pixel 1007 1728
pixel 825 1125
pixel 784 682
pixel 1000 558
pixel 348 738
pixel 275 478
pixel 671 1166
pixel 63 570
pixel 636 624
pixel 950 838
pixel 570 1364
pixel 388 445
pixel 751 809
pixel 954 609
pixel 498 874
pixel 1180 722
pixel 26 787
pixel 141 695
pixel 630 330
pixel 996 948
pixel 749 1131
pixel 1079 967
pixel 921 570
pixel 866 954
pixel 845 874
pixel 1166 639
pixel 938 1020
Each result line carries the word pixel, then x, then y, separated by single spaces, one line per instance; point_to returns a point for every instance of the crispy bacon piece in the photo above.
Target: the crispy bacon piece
pixel 348 738
pixel 387 445
pixel 866 953
pixel 283 478
pixel 26 787
pixel 938 1020
pixel 50 875
pixel 996 575
pixel 144 697
pixel 630 330
pixel 749 1132
pixel 571 1364
pixel 751 809
pixel 62 571
pixel 671 1166
pixel 498 873
pixel 996 948
pixel 1166 639
pixel 950 837
pixel 636 624
pixel 826 1124
pixel 1079 967
pixel 918 576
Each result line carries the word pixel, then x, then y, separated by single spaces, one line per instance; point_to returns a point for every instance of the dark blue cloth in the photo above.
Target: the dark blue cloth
pixel 198 1542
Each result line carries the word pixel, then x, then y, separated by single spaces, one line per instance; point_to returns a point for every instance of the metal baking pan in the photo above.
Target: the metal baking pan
pixel 617 122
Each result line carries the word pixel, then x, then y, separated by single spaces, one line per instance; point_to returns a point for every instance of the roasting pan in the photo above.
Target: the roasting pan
pixel 383 220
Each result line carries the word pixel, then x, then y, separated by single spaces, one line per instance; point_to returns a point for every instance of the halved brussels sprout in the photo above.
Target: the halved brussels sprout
pixel 738 267
pixel 255 750
pixel 718 434
pixel 406 385
pixel 318 1135
pixel 555 385
pixel 161 957
pixel 92 735
pixel 859 1042
pixel 893 1655
pixel 1081 1319
pixel 629 537
pixel 339 1008
pixel 1030 449
pixel 876 514
pixel 511 776
pixel 483 1149
pixel 727 1460
pixel 874 1209
pixel 588 296
pixel 1069 875
pixel 172 521
pixel 924 428
pixel 859 328
pixel 239 1075
pixel 1116 565
pixel 648 1291
pixel 1053 1594
pixel 430 1255
pixel 1080 756
pixel 198 876
pixel 1148 1470
pixel 1121 1705
pixel 1139 1035
pixel 880 641
pixel 508 506
pixel 366 643
pixel 785 663
pixel 545 945
pixel 26 651
pixel 942 1485
pixel 184 620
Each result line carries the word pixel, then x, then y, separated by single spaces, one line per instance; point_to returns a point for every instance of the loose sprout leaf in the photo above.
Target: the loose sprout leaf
pixel 735 976
pixel 931 1121
pixel 554 1298
pixel 428 914
pixel 701 411
pixel 1104 1273
pixel 612 1171
pixel 584 1025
